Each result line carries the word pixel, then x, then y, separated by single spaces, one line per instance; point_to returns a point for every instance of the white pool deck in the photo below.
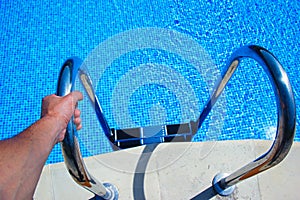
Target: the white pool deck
pixel 178 171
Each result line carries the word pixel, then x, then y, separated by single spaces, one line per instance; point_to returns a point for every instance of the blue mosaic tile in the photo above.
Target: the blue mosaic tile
pixel 38 36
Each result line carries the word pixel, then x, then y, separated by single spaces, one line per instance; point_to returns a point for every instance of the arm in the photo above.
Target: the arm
pixel 22 157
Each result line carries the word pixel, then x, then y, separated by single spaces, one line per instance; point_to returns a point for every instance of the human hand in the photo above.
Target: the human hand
pixel 62 109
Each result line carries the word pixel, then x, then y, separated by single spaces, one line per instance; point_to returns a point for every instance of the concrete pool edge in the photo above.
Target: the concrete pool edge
pixel 178 171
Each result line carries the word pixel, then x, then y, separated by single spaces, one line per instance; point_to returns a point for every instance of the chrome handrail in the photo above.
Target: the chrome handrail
pixel 286 125
pixel 70 146
pixel 223 183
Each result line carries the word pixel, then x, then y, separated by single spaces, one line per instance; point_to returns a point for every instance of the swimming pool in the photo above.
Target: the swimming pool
pixel 37 37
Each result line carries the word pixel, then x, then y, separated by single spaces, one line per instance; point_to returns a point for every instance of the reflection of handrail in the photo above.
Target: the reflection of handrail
pixel 224 184
pixel 70 145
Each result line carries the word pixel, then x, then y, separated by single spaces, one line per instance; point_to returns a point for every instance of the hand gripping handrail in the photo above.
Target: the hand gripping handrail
pixel 223 183
pixel 70 145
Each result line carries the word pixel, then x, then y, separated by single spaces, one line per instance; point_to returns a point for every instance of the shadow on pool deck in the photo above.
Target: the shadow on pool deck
pixel 139 173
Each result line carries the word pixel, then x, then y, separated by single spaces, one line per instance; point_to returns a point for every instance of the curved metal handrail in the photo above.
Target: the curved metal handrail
pixel 70 145
pixel 223 184
pixel 286 125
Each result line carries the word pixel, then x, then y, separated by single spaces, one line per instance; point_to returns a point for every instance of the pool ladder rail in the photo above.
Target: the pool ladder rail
pixel 223 184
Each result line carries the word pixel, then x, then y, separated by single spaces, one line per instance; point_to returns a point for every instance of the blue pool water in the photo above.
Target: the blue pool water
pixel 37 37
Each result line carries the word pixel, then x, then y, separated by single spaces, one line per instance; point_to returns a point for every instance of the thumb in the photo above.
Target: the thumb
pixel 76 96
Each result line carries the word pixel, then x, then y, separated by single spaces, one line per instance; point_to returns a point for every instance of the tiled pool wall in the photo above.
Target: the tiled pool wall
pixel 37 37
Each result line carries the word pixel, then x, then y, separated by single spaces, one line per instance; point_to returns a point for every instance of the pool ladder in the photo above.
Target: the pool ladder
pixel 223 184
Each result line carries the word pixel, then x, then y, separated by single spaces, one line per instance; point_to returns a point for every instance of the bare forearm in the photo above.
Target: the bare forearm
pixel 22 158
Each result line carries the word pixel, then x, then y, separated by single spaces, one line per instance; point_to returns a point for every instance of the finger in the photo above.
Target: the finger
pixel 77 113
pixel 77 96
pixel 78 127
pixel 77 121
